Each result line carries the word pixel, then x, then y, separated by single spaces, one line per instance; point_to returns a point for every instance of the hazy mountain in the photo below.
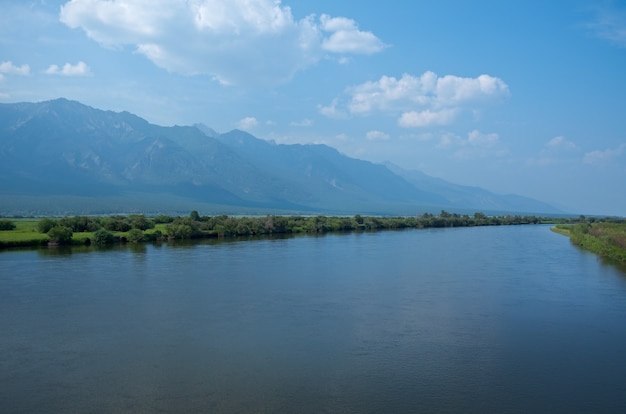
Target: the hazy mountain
pixel 63 150
pixel 470 197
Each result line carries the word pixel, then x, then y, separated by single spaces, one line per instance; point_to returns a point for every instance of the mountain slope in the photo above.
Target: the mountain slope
pixel 63 148
pixel 476 198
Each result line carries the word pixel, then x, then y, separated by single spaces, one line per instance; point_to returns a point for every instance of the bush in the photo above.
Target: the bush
pixel 102 237
pixel 46 224
pixel 135 236
pixel 60 234
pixel 117 223
pixel 141 222
pixel 6 225
pixel 163 219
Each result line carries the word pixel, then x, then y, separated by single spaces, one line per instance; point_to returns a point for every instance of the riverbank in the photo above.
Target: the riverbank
pixel 606 239
pixel 87 230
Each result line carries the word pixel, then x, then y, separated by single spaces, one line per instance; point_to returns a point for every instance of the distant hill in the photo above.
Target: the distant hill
pixel 62 156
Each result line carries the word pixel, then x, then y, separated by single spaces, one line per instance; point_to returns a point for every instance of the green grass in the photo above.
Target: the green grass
pixel 25 233
pixel 604 239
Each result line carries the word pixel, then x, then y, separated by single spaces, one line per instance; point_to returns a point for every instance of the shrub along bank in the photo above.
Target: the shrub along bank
pixel 138 228
pixel 605 238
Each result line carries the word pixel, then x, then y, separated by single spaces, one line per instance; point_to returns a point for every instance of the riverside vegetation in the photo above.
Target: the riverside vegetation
pixel 139 228
pixel 606 238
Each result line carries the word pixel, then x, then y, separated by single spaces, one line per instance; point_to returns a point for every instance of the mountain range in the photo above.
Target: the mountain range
pixel 63 157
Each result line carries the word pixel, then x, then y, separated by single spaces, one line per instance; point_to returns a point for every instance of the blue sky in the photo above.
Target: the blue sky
pixel 524 97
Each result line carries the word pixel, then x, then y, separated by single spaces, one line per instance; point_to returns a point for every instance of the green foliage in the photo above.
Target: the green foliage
pixel 135 236
pixel 163 219
pixel 194 216
pixel 102 237
pixel 80 224
pixel 44 225
pixel 137 228
pixel 140 222
pixel 7 225
pixel 60 234
pixel 183 228
pixel 607 239
pixel 117 223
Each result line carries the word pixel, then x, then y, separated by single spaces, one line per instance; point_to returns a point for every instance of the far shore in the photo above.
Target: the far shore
pixel 137 228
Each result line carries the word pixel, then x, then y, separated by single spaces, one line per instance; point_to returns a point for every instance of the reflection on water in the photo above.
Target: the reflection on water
pixel 501 319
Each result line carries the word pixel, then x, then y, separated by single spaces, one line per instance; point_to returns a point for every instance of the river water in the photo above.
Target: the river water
pixel 474 320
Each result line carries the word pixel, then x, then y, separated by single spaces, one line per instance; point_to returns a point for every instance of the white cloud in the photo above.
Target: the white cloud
pixel 247 123
pixel 377 136
pixel 561 142
pixel 414 119
pixel 600 157
pixel 347 38
pixel 79 69
pixel 419 101
pixel 332 111
pixel 9 68
pixel 235 42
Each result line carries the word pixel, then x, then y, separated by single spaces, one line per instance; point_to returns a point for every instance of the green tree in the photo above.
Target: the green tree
pixel 163 219
pixel 194 215
pixel 134 236
pixel 117 223
pixel 179 231
pixel 60 234
pixel 6 225
pixel 141 222
pixel 44 225
pixel 102 237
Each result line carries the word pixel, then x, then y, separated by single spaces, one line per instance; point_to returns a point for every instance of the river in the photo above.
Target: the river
pixel 510 319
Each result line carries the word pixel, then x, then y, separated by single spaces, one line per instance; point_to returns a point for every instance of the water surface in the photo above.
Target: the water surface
pixel 492 319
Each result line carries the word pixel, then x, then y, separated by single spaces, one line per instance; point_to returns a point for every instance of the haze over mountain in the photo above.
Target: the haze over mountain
pixel 61 156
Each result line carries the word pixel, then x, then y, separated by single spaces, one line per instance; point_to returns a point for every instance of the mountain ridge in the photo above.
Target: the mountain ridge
pixel 65 148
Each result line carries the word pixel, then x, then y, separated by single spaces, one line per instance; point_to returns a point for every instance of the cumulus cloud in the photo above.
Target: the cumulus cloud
pixel 414 119
pixel 600 157
pixel 8 68
pixel 247 123
pixel 377 136
pixel 419 101
pixel 79 69
pixel 235 41
pixel 346 37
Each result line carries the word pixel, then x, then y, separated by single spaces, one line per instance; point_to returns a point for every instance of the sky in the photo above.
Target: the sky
pixel 520 96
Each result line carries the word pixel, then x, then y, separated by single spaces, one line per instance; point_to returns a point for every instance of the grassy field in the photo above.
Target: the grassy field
pixel 27 234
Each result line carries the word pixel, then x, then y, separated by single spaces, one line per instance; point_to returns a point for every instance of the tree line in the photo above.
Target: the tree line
pixel 137 228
